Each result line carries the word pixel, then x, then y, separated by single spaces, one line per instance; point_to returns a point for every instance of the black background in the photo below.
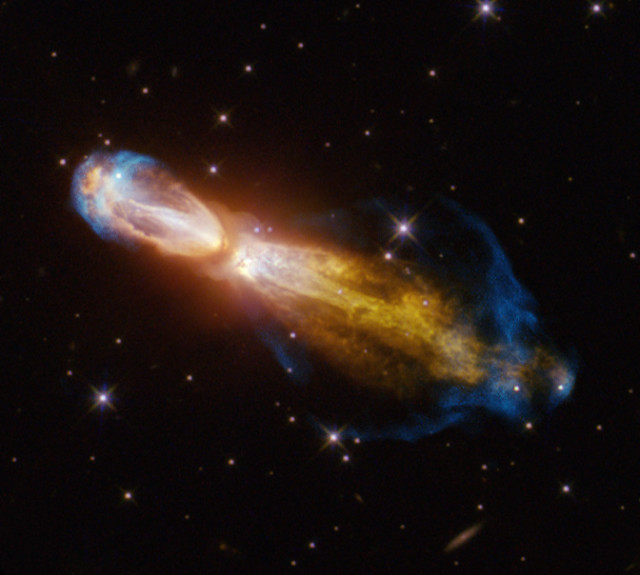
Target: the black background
pixel 531 114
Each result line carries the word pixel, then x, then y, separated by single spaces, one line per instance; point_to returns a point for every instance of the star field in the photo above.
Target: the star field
pixel 147 429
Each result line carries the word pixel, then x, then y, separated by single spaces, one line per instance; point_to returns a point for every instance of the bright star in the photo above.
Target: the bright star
pixel 102 398
pixel 597 9
pixel 333 438
pixel 404 227
pixel 486 9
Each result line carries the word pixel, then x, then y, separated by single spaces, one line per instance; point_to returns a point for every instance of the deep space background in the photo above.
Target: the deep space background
pixel 201 458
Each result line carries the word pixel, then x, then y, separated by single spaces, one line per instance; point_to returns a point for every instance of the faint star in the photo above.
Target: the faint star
pixel 566 489
pixel 222 118
pixel 127 496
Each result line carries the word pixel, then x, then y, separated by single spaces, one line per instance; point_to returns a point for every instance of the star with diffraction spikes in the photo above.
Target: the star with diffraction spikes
pixel 486 10
pixel 102 398
pixel 404 228
pixel 333 438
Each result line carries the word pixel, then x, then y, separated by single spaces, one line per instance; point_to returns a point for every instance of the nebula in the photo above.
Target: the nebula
pixel 445 337
pixel 129 197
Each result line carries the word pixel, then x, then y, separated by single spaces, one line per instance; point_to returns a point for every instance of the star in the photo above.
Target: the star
pixel 333 439
pixel 102 398
pixel 222 118
pixel 404 228
pixel 486 9
pixel 566 490
pixel 128 496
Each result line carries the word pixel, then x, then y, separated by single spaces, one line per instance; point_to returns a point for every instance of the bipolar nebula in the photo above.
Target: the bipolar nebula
pixel 444 339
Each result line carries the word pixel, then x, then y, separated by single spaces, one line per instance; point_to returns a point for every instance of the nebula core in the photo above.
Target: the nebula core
pixel 443 344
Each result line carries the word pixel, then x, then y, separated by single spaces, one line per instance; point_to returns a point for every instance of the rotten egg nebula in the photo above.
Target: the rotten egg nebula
pixel 440 340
